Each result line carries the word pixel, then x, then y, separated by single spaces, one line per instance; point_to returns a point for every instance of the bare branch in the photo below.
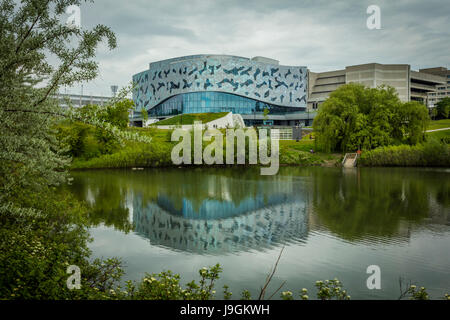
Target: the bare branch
pixel 269 277
pixel 403 293
pixel 282 284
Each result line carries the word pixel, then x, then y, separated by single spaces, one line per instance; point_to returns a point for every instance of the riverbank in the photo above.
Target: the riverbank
pixel 434 152
pixel 158 153
pixel 430 154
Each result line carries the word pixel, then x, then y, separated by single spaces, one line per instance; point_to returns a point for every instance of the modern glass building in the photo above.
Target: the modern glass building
pixel 219 83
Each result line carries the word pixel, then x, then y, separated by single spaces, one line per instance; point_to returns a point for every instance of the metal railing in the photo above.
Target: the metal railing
pixel 350 156
pixel 284 133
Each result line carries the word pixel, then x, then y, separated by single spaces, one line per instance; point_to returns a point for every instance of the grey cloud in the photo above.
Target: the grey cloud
pixel 318 34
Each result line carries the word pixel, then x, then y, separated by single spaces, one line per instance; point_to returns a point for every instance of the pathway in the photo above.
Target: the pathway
pixel 437 130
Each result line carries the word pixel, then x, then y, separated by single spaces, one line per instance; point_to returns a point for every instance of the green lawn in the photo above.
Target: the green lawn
pixel 302 145
pixel 159 135
pixel 158 153
pixel 189 118
pixel 298 153
pixel 443 135
pixel 439 124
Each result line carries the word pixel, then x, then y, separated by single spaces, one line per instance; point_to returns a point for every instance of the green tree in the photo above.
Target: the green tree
pixel 114 115
pixel 144 116
pixel 443 108
pixel 29 35
pixel 117 113
pixel 410 122
pixel 433 113
pixel 355 117
pixel 41 231
pixel 266 113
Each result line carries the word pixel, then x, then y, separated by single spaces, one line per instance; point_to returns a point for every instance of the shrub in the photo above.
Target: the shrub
pixel 431 153
pixel 329 289
pixel 85 141
pixel 36 249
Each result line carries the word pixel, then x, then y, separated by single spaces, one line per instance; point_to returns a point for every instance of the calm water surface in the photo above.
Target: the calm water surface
pixel 332 222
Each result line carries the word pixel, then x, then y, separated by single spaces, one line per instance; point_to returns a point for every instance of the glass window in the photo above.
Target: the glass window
pixel 211 101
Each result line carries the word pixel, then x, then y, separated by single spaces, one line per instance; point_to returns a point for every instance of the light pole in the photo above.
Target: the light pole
pixel 81 95
pixel 307 116
pixel 181 117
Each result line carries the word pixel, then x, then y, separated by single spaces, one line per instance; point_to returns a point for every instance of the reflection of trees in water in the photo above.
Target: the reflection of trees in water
pixel 232 209
pixel 354 204
pixel 176 190
pixel 443 193
pixel 374 202
pixel 196 186
pixel 106 202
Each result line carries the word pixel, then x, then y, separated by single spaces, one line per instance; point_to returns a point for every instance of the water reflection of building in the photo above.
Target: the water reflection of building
pixel 259 225
pixel 223 210
pixel 218 209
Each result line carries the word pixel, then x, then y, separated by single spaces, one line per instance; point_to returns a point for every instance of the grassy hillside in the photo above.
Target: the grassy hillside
pixel 158 153
pixel 439 124
pixel 443 135
pixel 90 155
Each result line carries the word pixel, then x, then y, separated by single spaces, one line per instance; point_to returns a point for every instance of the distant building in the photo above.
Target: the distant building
pixel 78 100
pixel 442 90
pixel 410 85
pixel 247 86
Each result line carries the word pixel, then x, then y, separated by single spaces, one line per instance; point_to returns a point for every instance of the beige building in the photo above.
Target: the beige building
pixel 442 90
pixel 78 100
pixel 410 85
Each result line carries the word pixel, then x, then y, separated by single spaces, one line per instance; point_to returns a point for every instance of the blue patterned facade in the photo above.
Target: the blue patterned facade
pixel 216 83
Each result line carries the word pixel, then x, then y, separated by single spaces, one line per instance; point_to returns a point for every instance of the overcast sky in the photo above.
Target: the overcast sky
pixel 322 35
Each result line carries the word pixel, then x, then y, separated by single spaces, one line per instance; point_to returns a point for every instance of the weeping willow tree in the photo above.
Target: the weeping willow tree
pixel 39 53
pixel 356 117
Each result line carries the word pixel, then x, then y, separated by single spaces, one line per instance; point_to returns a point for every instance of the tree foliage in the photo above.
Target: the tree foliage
pixel 30 34
pixel 355 117
pixel 266 113
pixel 432 153
pixel 144 115
pixel 443 109
pixel 87 141
pixel 40 231
pixel 116 114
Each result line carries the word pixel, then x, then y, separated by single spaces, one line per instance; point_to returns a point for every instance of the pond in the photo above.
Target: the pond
pixel 332 222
